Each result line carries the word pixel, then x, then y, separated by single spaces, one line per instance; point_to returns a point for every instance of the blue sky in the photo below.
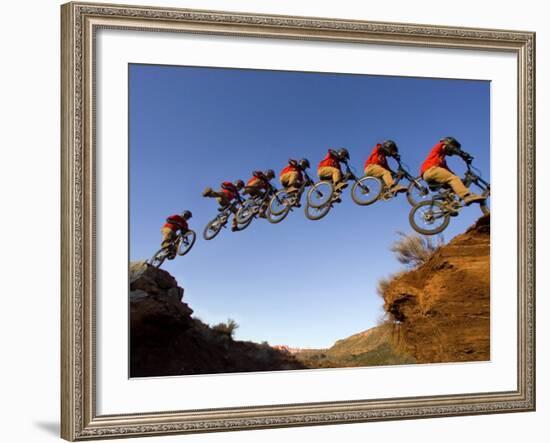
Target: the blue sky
pixel 300 283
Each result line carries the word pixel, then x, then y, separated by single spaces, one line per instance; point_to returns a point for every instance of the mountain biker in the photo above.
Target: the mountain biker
pixel 169 230
pixel 228 193
pixel 292 176
pixel 258 186
pixel 329 168
pixel 377 165
pixel 435 169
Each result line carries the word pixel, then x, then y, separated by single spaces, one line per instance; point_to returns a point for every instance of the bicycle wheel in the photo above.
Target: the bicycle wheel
pixel 429 217
pixel 317 213
pixel 246 211
pixel 280 203
pixel 417 193
pixel 279 207
pixel 366 190
pixel 212 229
pixel 186 242
pixel 320 194
pixel 241 226
pixel 158 259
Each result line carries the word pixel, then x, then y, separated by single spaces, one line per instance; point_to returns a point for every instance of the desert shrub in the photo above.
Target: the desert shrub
pixel 413 250
pixel 228 328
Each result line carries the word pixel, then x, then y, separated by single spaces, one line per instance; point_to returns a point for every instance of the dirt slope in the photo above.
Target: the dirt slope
pixel 442 308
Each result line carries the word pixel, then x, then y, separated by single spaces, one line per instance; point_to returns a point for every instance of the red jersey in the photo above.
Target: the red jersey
pixel 436 157
pixel 175 222
pixel 291 168
pixel 377 157
pixel 330 160
pixel 257 182
pixel 230 190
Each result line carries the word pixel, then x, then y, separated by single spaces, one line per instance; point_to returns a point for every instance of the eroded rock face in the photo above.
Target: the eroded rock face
pixel 166 340
pixel 443 307
pixel 152 281
pixel 157 316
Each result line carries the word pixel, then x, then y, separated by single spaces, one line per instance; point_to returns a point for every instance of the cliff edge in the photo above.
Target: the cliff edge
pixel 442 308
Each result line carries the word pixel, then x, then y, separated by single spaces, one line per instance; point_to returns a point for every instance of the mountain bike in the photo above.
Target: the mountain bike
pixel 219 222
pixel 181 245
pixel 322 196
pixel 283 201
pixel 416 191
pixel 252 206
pixel 432 216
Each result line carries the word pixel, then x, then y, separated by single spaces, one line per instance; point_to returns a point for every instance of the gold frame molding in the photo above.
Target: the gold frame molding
pixel 79 22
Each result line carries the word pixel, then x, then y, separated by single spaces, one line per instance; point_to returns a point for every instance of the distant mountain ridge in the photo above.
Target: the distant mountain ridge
pixel 373 347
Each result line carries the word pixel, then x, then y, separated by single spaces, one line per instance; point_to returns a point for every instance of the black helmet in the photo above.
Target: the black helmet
pixel 304 163
pixel 269 173
pixel 343 154
pixel 451 142
pixel 239 184
pixel 389 147
pixel 187 214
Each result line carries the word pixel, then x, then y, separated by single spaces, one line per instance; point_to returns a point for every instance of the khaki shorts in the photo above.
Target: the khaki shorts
pixel 380 172
pixel 168 237
pixel 291 179
pixel 444 176
pixel 330 173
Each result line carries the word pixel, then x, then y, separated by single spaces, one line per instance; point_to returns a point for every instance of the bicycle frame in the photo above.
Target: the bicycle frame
pixel 305 183
pixel 350 174
pixel 472 178
pixel 226 213
pixel 402 173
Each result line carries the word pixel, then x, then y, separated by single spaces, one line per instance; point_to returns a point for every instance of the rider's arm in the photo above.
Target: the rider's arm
pixel 466 157
pixel 397 158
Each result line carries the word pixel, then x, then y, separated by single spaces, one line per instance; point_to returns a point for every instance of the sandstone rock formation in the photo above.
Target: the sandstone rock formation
pixel 442 308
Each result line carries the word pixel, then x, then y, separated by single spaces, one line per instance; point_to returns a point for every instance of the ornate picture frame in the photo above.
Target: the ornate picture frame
pixel 80 22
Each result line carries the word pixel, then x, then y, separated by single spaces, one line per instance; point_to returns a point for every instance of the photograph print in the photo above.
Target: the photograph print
pixel 285 220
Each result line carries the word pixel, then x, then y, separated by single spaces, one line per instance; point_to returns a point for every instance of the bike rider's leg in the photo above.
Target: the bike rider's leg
pixel 386 177
pixel 209 192
pixel 222 200
pixel 334 175
pixel 264 205
pixel 291 181
pixel 168 237
pixel 234 224
pixel 338 180
pixel 442 175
